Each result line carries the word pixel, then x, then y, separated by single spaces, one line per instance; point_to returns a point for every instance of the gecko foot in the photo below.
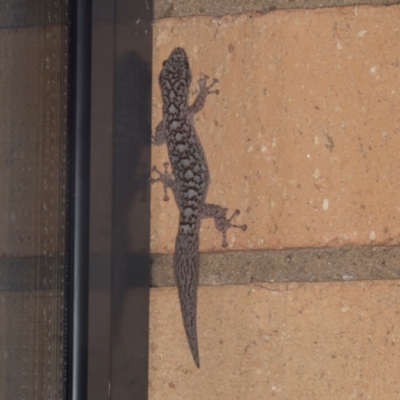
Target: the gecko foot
pixel 242 227
pixel 203 92
pixel 203 85
pixel 164 177
pixel 226 224
pixel 222 223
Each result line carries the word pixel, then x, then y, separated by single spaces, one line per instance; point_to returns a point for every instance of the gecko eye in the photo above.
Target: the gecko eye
pixel 164 62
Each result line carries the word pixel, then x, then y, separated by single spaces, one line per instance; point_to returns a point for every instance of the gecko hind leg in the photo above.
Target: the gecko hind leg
pixel 166 178
pixel 222 223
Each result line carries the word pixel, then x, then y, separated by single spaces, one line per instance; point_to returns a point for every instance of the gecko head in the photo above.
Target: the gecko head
pixel 176 68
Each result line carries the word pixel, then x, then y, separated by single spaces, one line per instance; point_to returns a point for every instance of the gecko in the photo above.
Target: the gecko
pixel 189 181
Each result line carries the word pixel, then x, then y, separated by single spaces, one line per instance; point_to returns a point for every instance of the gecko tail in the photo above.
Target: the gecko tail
pixel 186 264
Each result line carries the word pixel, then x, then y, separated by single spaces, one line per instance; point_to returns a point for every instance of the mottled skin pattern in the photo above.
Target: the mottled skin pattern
pixel 189 181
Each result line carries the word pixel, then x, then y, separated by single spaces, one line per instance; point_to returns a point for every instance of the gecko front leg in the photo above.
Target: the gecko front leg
pixel 167 180
pixel 204 91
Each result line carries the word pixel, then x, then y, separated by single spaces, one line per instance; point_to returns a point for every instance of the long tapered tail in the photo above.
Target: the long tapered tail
pixel 186 264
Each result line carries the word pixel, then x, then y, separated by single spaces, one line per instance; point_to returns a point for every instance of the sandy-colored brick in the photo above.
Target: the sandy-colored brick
pixel 320 341
pixel 304 139
pixel 304 135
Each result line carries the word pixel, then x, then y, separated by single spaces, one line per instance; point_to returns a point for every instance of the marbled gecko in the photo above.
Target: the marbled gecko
pixel 188 181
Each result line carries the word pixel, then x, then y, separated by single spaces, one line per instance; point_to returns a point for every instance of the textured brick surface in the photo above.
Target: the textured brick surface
pixel 303 138
pixel 183 8
pixel 304 134
pixel 320 341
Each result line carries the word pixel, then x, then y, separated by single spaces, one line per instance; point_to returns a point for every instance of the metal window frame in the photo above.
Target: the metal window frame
pixel 78 198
